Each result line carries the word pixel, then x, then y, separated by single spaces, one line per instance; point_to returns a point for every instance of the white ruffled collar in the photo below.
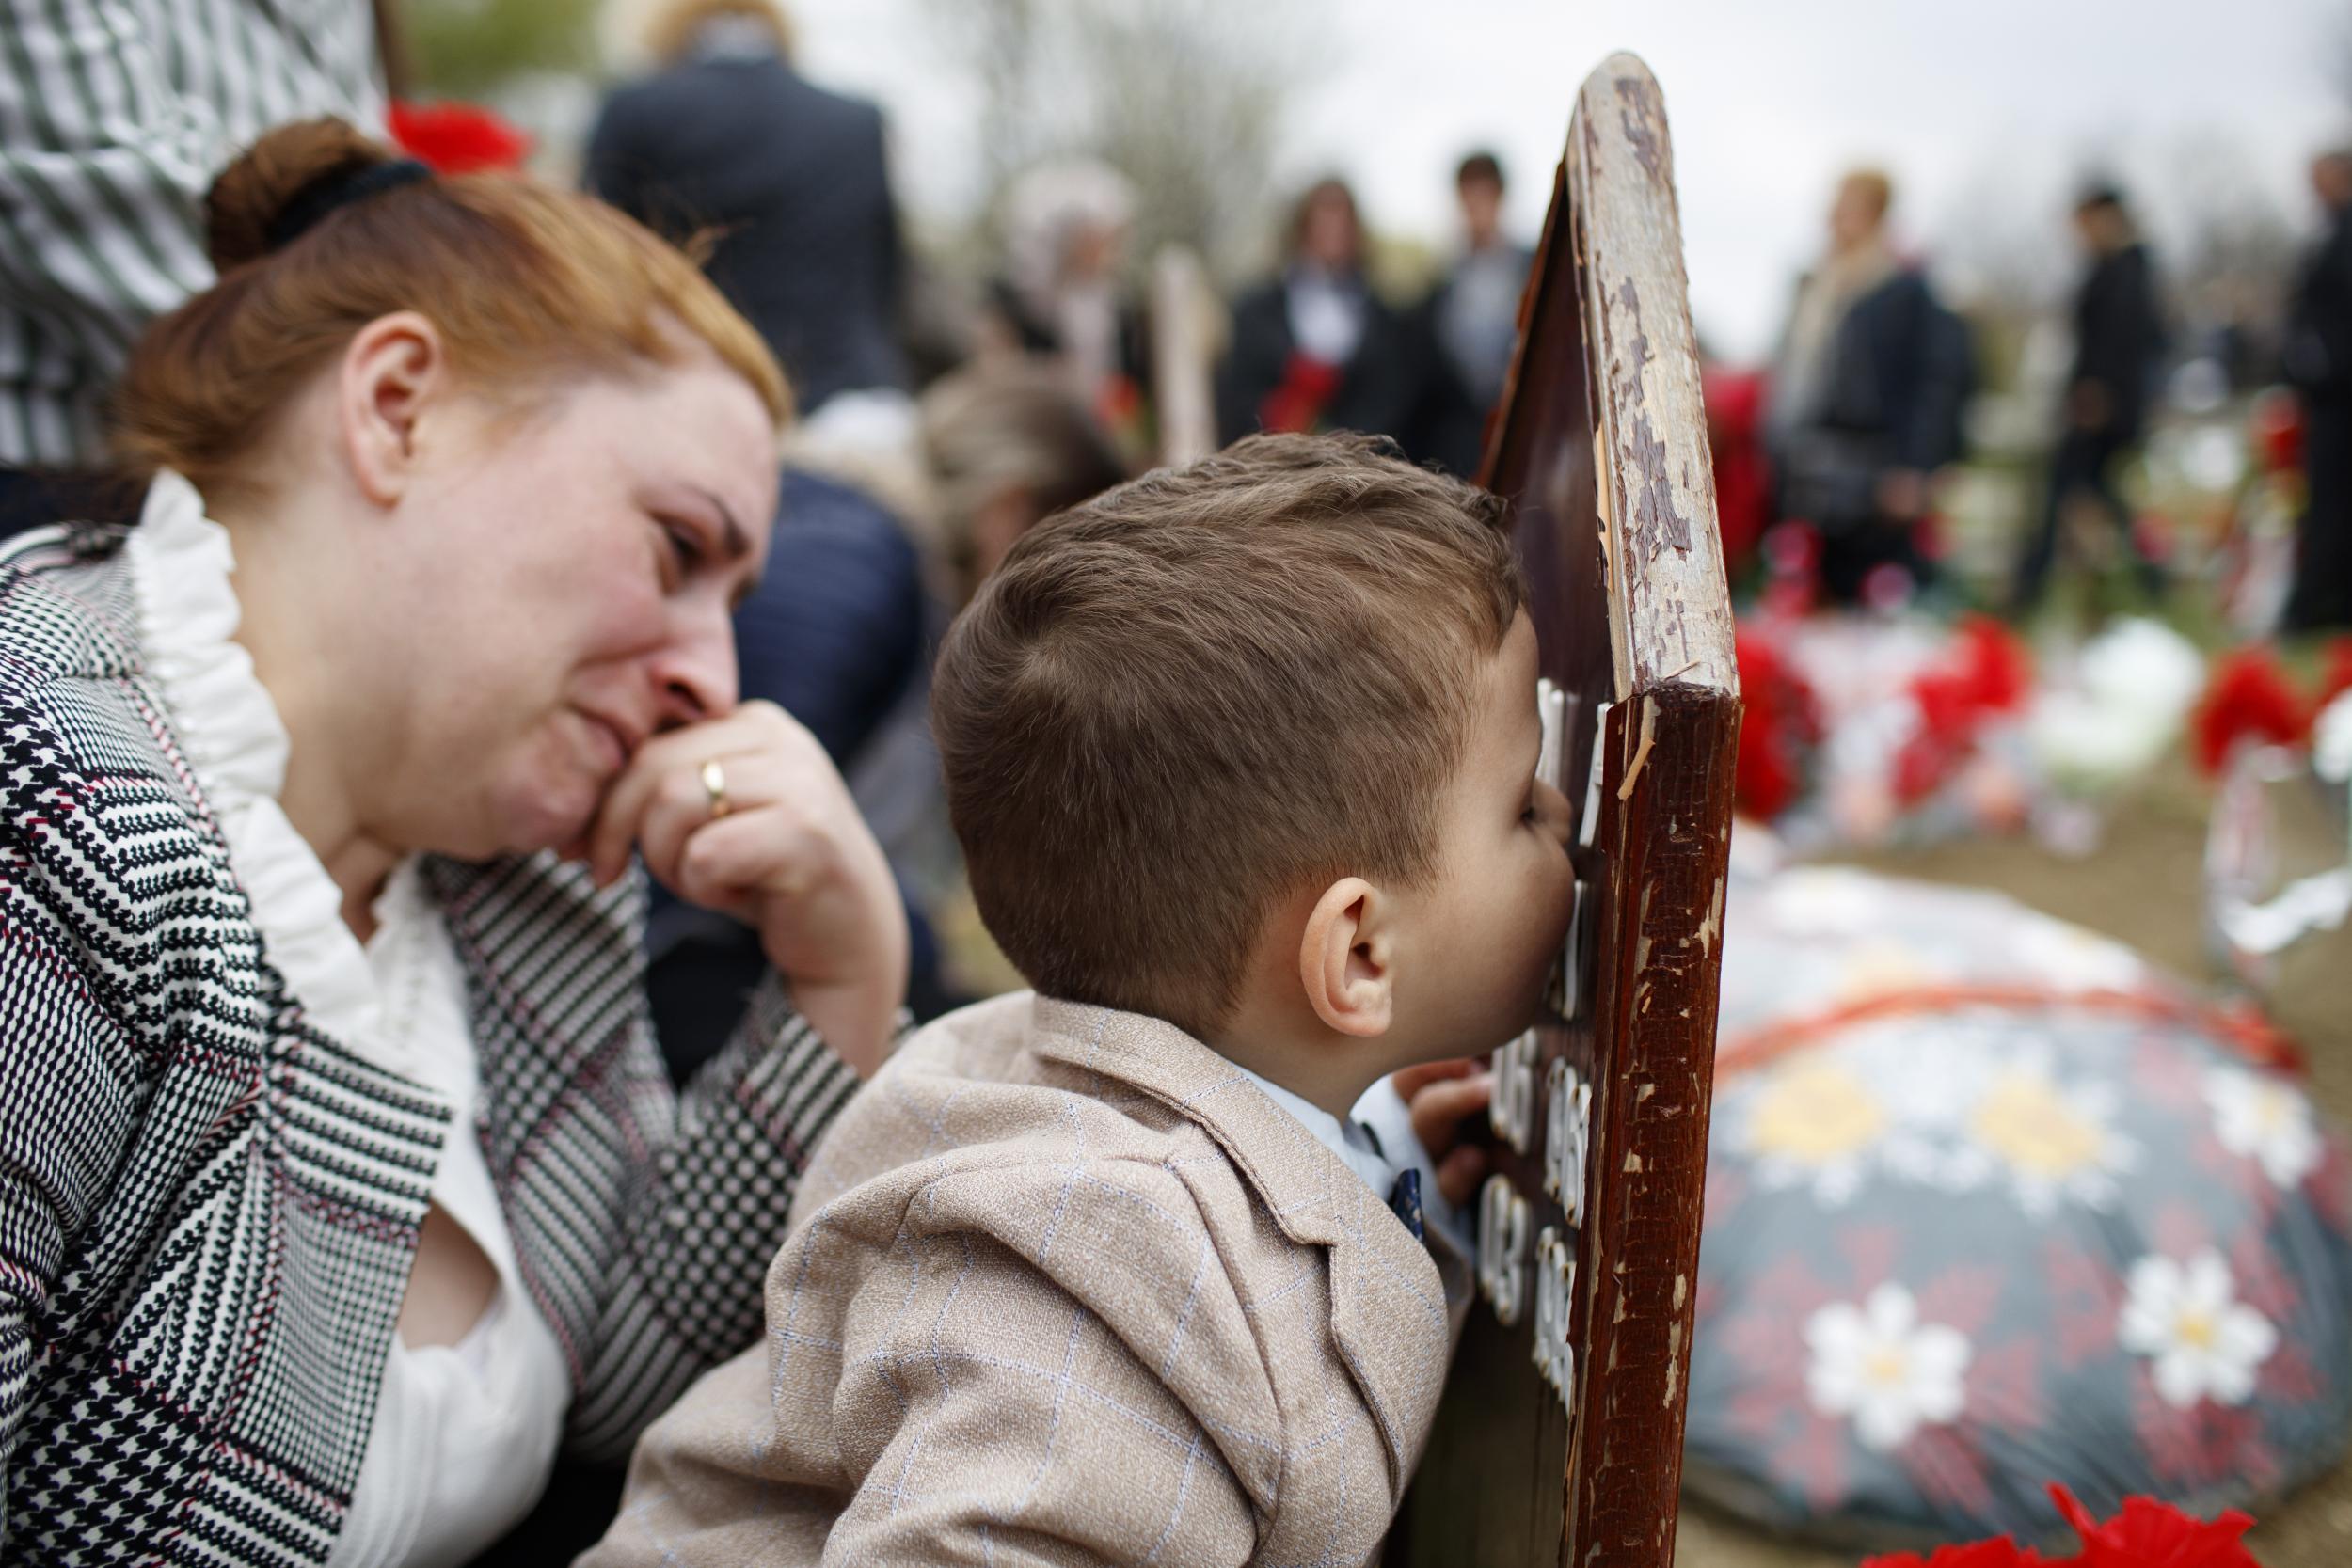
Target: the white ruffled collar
pixel 182 568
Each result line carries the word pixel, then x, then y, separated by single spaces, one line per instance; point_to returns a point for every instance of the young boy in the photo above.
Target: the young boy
pixel 1242 759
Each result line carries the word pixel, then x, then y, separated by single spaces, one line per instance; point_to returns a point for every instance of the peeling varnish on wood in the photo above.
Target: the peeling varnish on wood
pixel 1713 927
pixel 1641 750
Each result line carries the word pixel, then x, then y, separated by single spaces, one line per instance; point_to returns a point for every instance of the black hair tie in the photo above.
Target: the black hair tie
pixel 337 188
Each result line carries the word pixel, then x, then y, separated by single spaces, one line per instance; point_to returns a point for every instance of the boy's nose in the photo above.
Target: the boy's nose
pixel 1559 820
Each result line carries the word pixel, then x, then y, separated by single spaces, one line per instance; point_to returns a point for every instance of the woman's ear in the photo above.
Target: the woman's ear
pixel 1344 960
pixel 394 367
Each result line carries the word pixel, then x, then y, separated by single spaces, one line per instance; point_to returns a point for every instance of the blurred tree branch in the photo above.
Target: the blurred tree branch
pixel 1186 98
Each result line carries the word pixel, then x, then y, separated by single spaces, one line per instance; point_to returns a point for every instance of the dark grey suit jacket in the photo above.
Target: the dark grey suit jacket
pixel 793 178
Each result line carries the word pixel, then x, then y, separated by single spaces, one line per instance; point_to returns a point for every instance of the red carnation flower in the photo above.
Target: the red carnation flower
pixel 2278 429
pixel 1985 672
pixel 2249 699
pixel 1779 731
pixel 457 139
pixel 1297 404
pixel 2147 1534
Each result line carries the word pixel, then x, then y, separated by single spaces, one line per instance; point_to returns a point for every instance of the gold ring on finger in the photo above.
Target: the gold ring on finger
pixel 715 785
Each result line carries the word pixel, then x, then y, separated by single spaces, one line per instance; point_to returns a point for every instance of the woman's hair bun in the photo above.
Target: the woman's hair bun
pixel 245 209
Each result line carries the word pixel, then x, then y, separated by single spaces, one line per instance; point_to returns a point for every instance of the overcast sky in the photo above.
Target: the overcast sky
pixel 1997 105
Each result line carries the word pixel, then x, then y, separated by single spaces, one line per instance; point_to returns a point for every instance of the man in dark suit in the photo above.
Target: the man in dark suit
pixel 1473 316
pixel 2319 363
pixel 2119 337
pixel 727 137
pixel 1315 348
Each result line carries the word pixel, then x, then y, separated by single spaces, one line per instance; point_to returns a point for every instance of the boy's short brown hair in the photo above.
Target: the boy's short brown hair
pixel 1210 689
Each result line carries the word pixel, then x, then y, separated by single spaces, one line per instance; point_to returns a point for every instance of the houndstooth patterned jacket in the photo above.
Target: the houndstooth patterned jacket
pixel 208 1208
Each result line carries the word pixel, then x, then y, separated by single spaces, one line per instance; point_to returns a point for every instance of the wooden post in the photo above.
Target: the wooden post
pixel 1560 1440
pixel 1181 397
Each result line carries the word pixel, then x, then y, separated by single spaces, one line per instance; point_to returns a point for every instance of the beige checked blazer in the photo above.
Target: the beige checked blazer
pixel 1062 1286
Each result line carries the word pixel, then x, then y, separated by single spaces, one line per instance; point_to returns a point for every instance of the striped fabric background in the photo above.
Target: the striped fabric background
pixel 115 116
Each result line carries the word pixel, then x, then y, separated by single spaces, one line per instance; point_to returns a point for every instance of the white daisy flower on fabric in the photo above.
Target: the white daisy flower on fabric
pixel 1811 1122
pixel 2054 1141
pixel 1878 1365
pixel 2205 1343
pixel 2260 1116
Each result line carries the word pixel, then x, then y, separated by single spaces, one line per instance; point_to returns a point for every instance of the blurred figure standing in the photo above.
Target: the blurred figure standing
pixel 2319 365
pixel 1315 348
pixel 726 136
pixel 1062 296
pixel 2118 343
pixel 1864 400
pixel 1474 315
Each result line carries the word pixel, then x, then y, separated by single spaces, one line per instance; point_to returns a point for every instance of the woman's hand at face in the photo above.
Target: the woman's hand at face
pixel 789 854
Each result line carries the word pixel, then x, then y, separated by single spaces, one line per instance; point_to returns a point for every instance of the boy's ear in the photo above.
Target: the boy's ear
pixel 1344 960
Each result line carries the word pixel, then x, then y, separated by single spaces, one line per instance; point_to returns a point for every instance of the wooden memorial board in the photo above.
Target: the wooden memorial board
pixel 1560 1439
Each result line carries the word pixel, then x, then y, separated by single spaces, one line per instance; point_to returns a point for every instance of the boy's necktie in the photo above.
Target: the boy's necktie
pixel 1404 1202
pixel 1405 1196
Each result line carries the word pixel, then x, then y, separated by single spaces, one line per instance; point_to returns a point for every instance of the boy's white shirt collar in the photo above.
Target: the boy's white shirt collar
pixel 1383 1110
pixel 1348 1140
pixel 1376 1142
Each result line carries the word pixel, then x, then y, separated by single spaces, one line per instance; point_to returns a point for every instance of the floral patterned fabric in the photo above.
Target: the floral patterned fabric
pixel 1992 1204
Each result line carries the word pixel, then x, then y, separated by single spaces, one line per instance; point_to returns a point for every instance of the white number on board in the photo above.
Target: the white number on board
pixel 1567 1136
pixel 1512 1110
pixel 1556 1297
pixel 1502 1248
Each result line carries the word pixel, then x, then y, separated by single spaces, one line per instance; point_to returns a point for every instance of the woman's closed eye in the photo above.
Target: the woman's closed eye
pixel 682 551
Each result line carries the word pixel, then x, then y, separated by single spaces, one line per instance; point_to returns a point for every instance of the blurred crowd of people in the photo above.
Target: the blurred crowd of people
pixel 1861 404
pixel 912 468
pixel 1844 433
pixel 1866 400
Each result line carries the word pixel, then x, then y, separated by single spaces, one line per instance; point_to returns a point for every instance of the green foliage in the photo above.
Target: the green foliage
pixel 466 48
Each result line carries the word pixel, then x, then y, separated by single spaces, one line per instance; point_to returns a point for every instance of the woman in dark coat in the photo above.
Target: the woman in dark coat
pixel 1314 348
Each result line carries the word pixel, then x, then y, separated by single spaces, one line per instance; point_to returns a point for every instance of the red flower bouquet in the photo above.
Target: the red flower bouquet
pixel 1297 404
pixel 2249 698
pixel 1987 672
pixel 1779 731
pixel 2147 1534
pixel 457 139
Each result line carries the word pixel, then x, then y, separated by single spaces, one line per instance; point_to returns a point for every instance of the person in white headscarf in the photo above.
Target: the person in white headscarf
pixel 1061 295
